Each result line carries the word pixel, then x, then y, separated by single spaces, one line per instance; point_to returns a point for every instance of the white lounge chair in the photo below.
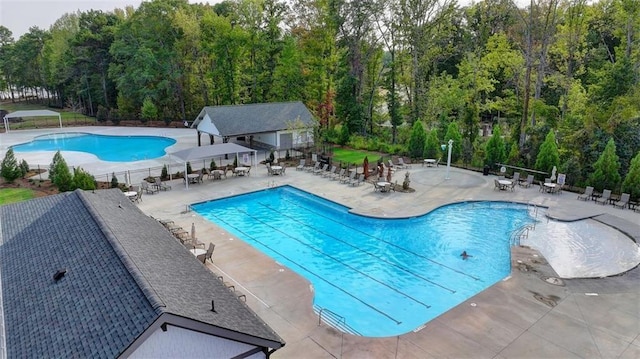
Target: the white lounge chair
pixel 301 165
pixel 606 195
pixel 588 192
pixel 623 202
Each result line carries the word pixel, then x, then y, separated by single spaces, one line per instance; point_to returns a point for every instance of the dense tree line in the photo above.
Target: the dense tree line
pixel 566 67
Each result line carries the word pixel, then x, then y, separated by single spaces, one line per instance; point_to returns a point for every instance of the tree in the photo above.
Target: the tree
pixel 548 156
pixel 62 176
pixel 417 141
pixel 10 170
pixel 495 150
pixel 149 111
pixel 57 157
pixel 432 145
pixel 83 180
pixel 606 174
pixel 114 181
pixel 631 184
pixel 453 133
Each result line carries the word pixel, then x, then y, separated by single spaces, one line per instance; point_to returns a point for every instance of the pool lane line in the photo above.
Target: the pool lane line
pixel 361 250
pixel 337 260
pixel 311 272
pixel 382 240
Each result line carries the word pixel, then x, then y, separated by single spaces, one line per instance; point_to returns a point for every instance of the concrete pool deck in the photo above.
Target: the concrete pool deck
pixel 523 316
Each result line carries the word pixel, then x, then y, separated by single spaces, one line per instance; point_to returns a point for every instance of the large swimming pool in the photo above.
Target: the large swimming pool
pixel 376 277
pixel 106 148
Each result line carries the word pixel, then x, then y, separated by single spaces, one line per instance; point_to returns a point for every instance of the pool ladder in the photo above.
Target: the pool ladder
pixel 335 320
pixel 519 234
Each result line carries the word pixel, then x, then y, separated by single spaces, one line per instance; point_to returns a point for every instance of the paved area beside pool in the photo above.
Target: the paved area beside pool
pixel 529 314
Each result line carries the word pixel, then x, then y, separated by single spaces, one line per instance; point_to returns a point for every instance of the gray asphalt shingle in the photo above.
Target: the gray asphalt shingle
pixel 123 270
pixel 237 120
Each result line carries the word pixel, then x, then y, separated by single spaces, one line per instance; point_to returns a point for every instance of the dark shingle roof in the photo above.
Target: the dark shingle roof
pixel 240 120
pixel 124 271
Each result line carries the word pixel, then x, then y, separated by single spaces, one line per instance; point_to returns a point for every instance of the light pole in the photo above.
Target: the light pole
pixel 449 159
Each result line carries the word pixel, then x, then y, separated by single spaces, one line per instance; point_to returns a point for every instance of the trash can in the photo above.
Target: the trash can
pixel 485 170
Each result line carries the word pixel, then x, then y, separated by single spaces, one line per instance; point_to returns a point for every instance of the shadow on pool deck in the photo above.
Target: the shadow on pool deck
pixel 522 316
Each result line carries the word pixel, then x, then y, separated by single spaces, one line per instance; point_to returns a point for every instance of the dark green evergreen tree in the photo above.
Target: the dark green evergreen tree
pixel 10 170
pixel 62 178
pixel 495 151
pixel 432 145
pixel 453 133
pixel 606 170
pixel 417 141
pixel 548 156
pixel 631 184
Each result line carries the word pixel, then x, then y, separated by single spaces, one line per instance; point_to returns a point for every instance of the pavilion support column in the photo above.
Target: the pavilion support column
pixel 199 144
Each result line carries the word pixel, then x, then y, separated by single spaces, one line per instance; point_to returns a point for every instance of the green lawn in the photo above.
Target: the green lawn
pixel 12 195
pixel 353 156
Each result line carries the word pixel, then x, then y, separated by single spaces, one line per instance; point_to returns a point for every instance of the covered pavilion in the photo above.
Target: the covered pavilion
pixel 213 151
pixel 30 113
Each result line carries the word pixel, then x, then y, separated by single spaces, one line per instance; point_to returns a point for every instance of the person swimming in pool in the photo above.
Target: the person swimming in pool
pixel 464 255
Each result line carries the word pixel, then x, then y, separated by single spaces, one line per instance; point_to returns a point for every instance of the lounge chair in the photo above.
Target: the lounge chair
pixel 330 172
pixel 391 165
pixel 301 165
pixel 161 186
pixel 606 196
pixel 496 185
pixel 339 175
pixel 346 179
pixel 312 168
pixel 438 162
pixel 588 192
pixel 623 202
pixel 318 171
pixel 357 180
pixel 402 164
pixel 208 254
pixel 269 170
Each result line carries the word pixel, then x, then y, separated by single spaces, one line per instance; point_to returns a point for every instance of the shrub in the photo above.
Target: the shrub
pixel 9 169
pixel 631 182
pixel 103 114
pixel 62 178
pixel 24 168
pixel 213 165
pixel 114 180
pixel 165 173
pixel 189 170
pixel 83 180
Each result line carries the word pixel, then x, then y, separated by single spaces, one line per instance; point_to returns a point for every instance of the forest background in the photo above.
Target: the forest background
pixel 396 76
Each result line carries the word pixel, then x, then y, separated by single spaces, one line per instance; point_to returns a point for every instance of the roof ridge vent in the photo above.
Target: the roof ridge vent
pixel 59 274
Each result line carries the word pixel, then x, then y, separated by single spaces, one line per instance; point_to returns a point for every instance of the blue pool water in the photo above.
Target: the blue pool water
pixel 385 277
pixel 106 148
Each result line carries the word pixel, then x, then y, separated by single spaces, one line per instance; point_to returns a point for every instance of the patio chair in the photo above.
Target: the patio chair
pixel 516 177
pixel 269 170
pixel 588 192
pixel 528 182
pixel 386 188
pixel 606 196
pixel 208 254
pixel 301 165
pixel 438 162
pixel 338 175
pixel 496 185
pixel 512 186
pixel 138 197
pixel 623 202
